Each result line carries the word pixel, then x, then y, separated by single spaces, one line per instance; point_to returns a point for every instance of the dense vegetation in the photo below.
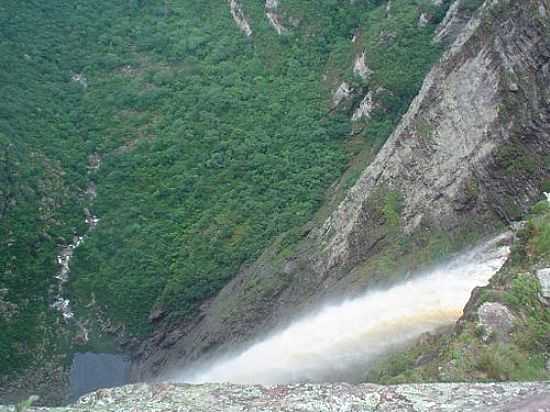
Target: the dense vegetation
pixel 228 143
pixel 212 143
pixel 42 165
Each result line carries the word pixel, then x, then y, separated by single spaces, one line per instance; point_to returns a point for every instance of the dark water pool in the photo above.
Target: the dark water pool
pixel 92 371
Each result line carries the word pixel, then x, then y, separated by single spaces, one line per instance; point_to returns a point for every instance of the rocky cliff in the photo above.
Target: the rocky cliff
pixel 469 155
pixel 515 397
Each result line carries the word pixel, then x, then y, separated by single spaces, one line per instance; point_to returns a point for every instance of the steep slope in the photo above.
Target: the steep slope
pixel 43 176
pixel 469 156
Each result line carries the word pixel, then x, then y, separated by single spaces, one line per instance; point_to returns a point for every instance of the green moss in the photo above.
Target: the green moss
pixel 541 208
pixel 541 243
pixel 523 292
pixel 515 160
pixel 393 204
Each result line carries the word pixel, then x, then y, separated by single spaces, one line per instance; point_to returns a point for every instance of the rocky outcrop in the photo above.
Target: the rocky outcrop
pixel 469 153
pixel 360 66
pixel 453 23
pixel 80 79
pixel 342 93
pixel 518 397
pixel 272 13
pixel 239 17
pixel 365 108
pixel 543 276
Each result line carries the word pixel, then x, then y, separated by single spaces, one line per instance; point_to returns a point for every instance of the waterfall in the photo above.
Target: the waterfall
pixel 339 341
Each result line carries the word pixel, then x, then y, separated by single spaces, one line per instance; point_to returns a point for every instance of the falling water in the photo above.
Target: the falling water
pixel 341 340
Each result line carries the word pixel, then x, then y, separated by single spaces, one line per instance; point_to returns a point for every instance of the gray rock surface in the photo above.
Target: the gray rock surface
pixel 239 17
pixel 273 16
pixel 543 276
pixel 496 321
pixel 441 157
pixel 491 397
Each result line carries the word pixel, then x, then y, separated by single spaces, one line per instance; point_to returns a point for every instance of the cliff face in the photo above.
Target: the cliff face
pixel 469 154
pixel 482 109
pixel 316 398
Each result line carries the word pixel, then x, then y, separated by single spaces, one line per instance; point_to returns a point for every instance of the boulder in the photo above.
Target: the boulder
pixel 496 321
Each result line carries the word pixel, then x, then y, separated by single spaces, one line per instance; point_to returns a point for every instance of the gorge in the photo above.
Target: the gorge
pixel 292 194
pixel 338 342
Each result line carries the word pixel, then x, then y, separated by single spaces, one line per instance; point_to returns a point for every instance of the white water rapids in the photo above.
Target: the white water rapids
pixel 339 341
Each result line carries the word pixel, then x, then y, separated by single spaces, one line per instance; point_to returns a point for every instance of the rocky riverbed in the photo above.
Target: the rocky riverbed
pixel 517 397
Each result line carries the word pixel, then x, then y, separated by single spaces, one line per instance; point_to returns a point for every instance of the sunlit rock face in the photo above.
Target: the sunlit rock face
pixel 360 66
pixel 450 137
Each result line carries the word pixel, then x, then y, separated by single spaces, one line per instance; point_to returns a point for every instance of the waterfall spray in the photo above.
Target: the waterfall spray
pixel 340 341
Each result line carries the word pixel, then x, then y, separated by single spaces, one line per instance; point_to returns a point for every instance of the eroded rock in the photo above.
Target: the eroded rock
pixel 271 11
pixel 342 92
pixel 365 108
pixel 423 20
pixel 80 79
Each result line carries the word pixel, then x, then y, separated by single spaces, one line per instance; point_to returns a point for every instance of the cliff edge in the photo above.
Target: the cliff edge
pixel 517 397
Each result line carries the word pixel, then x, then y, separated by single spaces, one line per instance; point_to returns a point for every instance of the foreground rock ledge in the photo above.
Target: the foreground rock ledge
pixel 516 397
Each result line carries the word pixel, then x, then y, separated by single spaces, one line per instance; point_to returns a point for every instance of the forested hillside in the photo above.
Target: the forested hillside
pixel 212 143
pixel 43 149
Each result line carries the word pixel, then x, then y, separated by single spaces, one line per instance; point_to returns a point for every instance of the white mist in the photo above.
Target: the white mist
pixel 338 342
